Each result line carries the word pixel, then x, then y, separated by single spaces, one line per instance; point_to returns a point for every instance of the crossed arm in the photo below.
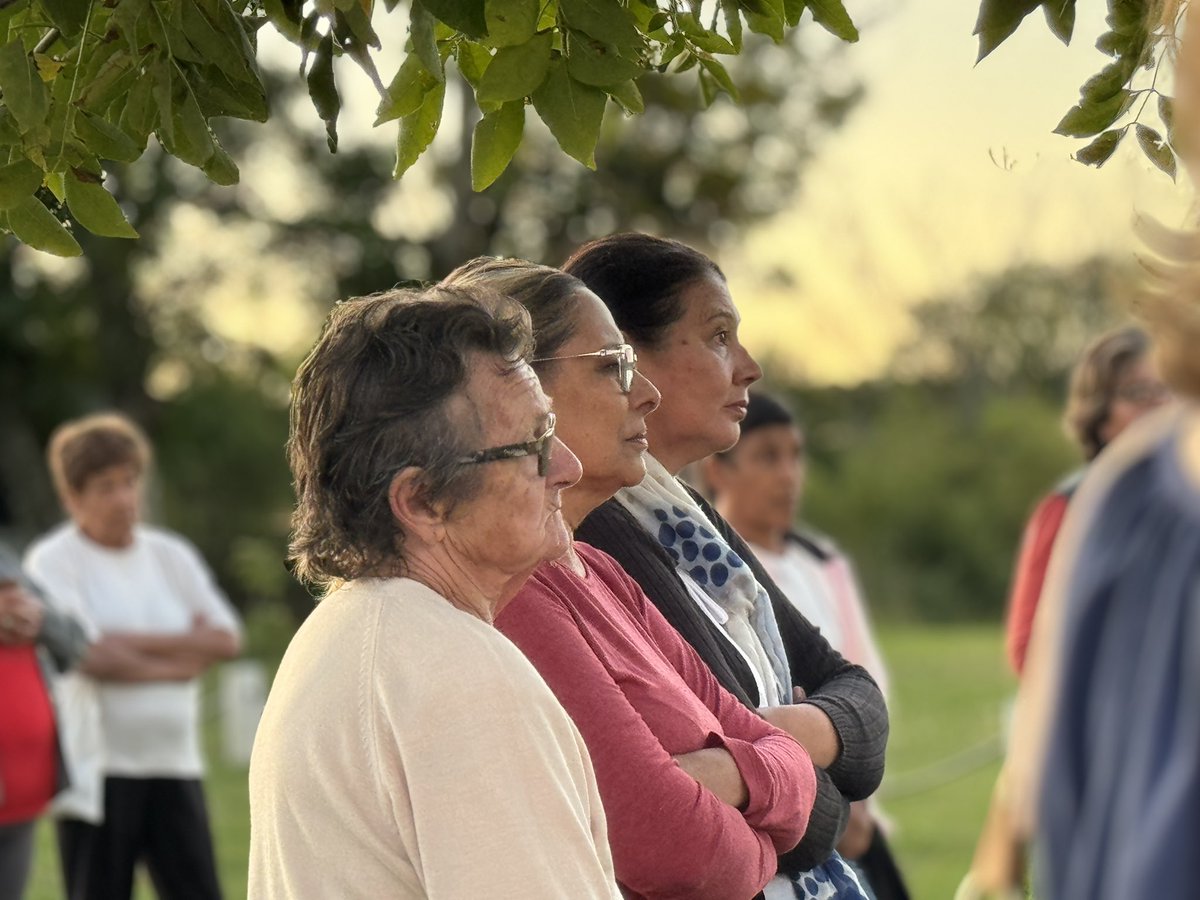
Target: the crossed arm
pixel 135 657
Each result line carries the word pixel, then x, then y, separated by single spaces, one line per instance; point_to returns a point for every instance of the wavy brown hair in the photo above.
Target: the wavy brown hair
pixel 372 399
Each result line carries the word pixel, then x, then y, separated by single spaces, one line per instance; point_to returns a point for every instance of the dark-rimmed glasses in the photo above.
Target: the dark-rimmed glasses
pixel 624 355
pixel 540 446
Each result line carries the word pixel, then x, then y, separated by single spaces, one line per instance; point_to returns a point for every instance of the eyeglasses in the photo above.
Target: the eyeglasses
pixel 539 446
pixel 624 355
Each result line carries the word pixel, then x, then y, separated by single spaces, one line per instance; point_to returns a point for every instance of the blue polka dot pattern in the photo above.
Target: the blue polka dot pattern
pixel 661 515
pixel 720 574
pixel 700 575
pixel 666 535
pixel 706 534
pixel 712 552
pixel 735 561
pixel 690 551
pixel 679 513
pixel 685 529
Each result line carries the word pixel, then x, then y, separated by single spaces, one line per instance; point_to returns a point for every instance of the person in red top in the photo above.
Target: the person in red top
pixel 701 794
pixel 1113 384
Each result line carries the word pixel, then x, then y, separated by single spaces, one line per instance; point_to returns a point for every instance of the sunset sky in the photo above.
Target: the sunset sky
pixel 905 201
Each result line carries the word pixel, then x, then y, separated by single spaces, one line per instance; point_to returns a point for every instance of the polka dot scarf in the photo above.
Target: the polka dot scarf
pixel 664 508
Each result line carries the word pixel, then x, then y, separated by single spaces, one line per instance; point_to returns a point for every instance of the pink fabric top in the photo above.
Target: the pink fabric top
pixel 639 694
pixel 1037 545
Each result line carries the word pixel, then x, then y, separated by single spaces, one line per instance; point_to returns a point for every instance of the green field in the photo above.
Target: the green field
pixel 948 685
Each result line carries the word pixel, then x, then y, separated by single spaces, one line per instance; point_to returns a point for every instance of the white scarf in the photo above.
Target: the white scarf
pixel 663 507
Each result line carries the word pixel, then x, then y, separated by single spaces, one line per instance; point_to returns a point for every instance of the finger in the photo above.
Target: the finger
pixel 798 694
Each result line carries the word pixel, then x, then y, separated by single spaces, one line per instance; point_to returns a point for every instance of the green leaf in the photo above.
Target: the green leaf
pixel 188 138
pixel 140 113
pixel 105 139
pixel 221 169
pixel 701 36
pixel 1115 44
pixel 1127 16
pixel 628 97
pixel 497 136
pixel 18 180
pixel 708 88
pixel 1087 119
pixel 473 60
pixel 1107 81
pixel 720 76
pixel 733 23
pixel 573 112
pixel 161 92
pixel 68 16
pixel 36 226
pixel 998 19
pixel 323 90
pixel 221 42
pixel 605 20
pixel 769 21
pixel 792 9
pixel 598 64
pixel 832 16
pixel 285 16
pixel 421 25
pixel 219 96
pixel 354 24
pixel 466 16
pixel 96 209
pixel 515 72
pixel 1098 151
pixel 407 90
pixel 1156 149
pixel 657 21
pixel 1060 16
pixel 24 93
pixel 418 129
pixel 1166 112
pixel 510 22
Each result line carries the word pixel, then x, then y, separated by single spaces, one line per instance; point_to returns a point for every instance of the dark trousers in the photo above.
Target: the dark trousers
pixel 160 821
pixel 16 855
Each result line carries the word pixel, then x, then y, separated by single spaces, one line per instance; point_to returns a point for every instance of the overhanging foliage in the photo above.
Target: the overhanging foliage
pixel 88 81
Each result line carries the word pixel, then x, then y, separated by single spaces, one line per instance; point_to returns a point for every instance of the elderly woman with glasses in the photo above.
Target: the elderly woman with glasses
pixel 407 748
pixel 700 793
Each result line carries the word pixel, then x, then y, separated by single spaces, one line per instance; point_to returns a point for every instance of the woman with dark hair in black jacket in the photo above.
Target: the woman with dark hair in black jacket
pixel 673 305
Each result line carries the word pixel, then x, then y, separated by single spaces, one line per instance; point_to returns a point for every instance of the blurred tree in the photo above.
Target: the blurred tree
pixel 144 325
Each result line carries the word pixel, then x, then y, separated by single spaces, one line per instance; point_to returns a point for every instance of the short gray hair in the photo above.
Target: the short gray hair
pixel 371 400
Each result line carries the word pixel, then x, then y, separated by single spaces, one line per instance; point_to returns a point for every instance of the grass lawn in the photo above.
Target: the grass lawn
pixel 948 684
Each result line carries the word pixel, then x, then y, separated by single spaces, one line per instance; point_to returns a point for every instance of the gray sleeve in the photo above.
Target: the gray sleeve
pixel 63 637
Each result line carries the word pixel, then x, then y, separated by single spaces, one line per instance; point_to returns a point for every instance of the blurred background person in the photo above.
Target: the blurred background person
pixel 673 306
pixel 34 641
pixel 758 487
pixel 129 716
pixel 701 794
pixel 1113 384
pixel 408 749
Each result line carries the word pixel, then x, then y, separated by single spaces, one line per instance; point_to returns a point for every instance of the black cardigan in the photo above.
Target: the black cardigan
pixel 845 692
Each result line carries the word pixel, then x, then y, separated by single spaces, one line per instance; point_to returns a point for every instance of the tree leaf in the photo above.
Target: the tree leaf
pixel 708 88
pixel 105 139
pixel 1087 119
pixel 515 72
pixel 18 180
pixel 68 16
pixel 628 97
pixel 220 96
pixel 407 90
pixel 1166 112
pixel 998 19
pixel 221 42
pixel 323 90
pixel 466 16
pixel 424 41
pixel 792 10
pixel 1060 16
pixel 720 76
pixel 702 37
pixel 769 21
pixel 140 114
pixel 592 62
pixel 24 92
pixel 510 22
pixel 1107 81
pixel 417 130
pixel 573 112
pixel 221 169
pixel 1115 44
pixel 473 60
pixel 733 23
pixel 190 139
pixel 96 209
pixel 36 226
pixel 832 16
pixel 1156 149
pixel 606 20
pixel 1098 151
pixel 497 137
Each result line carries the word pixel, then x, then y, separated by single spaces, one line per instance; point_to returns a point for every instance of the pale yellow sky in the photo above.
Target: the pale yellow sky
pixel 905 201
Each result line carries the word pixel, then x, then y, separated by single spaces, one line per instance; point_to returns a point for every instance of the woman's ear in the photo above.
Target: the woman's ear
pixel 408 498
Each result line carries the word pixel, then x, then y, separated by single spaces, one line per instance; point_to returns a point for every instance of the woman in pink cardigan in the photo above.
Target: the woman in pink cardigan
pixel 701 794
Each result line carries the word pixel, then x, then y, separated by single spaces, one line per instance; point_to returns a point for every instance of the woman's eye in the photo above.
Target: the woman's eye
pixel 723 337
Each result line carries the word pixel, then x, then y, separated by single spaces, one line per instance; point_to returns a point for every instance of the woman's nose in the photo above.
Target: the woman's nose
pixel 646 397
pixel 565 468
pixel 747 371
